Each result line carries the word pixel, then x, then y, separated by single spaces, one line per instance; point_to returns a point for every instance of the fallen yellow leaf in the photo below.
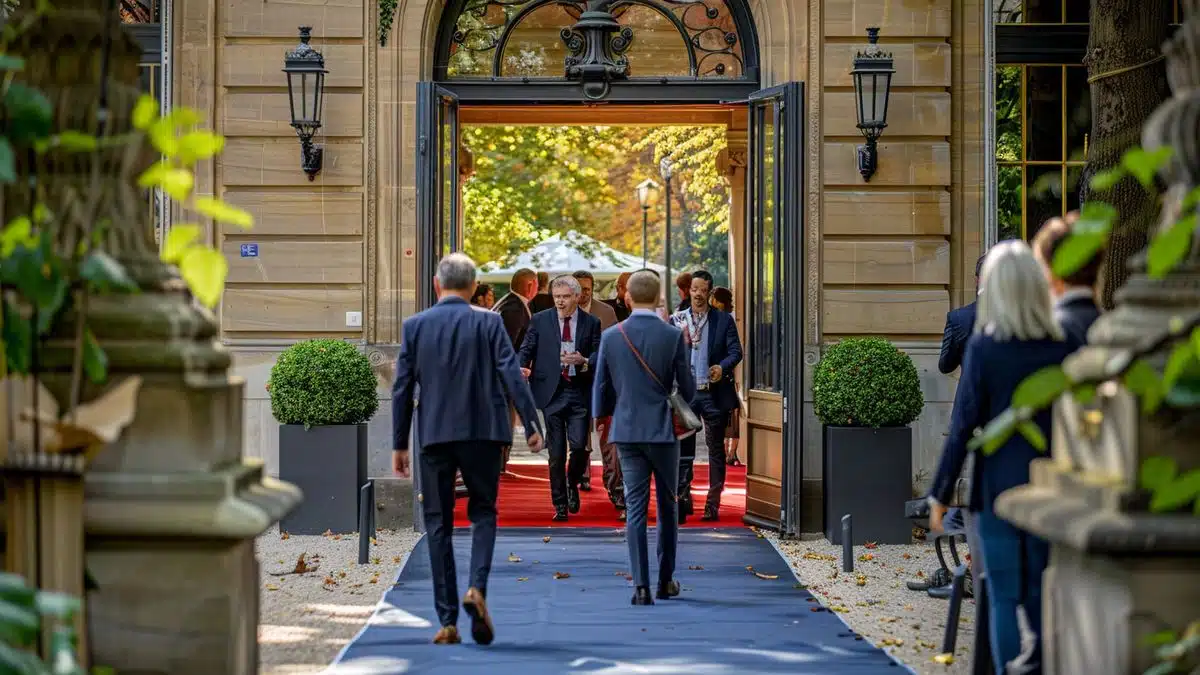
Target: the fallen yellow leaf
pixel 284 535
pixel 272 587
pixel 522 578
pixel 944 659
pixel 562 575
pixel 513 558
pixel 545 540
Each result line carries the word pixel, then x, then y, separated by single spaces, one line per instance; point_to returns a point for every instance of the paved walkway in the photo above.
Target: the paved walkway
pixel 560 600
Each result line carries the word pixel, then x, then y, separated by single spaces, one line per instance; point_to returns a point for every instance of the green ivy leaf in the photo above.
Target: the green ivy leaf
pixel 95 361
pixel 1185 393
pixel 74 141
pixel 104 274
pixel 8 162
pixel 162 136
pixel 224 212
pixel 204 270
pixel 17 233
pixel 145 112
pixel 10 62
pixel 1162 637
pixel 198 145
pixel 1143 381
pixel 1156 472
pixel 995 433
pixel 1033 433
pixel 1084 394
pixel 179 239
pixel 29 113
pixel 1177 493
pixel 1088 237
pixel 175 182
pixel 1041 388
pixel 1169 247
pixel 1190 200
pixel 19 624
pixel 1144 164
pixel 1181 356
pixel 1105 180
pixel 17 334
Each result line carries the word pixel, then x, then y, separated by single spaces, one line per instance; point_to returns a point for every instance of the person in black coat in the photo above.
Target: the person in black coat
pixel 959 324
pixel 1074 295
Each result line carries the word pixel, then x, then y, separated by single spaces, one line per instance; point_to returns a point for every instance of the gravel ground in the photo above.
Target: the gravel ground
pixel 305 619
pixel 876 604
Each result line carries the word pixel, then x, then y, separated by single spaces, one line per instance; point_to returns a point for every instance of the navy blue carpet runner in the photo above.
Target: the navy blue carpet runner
pixel 560 601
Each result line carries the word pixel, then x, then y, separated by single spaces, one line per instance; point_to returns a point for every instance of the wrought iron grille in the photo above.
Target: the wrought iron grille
pixel 542 39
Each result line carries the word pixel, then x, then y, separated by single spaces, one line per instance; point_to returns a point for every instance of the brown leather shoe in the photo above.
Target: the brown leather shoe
pixel 482 630
pixel 448 635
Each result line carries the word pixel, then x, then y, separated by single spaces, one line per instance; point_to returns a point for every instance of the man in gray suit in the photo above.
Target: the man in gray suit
pixel 462 429
pixel 640 361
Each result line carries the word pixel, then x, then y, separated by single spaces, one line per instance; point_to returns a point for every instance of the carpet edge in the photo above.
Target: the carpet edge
pixel 383 596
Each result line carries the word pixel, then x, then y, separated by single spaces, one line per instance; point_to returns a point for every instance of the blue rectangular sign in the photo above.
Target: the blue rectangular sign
pixel 249 250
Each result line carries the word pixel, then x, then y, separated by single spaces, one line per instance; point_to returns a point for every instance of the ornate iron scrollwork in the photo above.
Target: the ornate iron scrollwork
pixel 512 39
pixel 597 46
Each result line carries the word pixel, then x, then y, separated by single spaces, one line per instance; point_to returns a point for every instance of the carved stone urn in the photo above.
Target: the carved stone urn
pixel 171 509
pixel 1119 573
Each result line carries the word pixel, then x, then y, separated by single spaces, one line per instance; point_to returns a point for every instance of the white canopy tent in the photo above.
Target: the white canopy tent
pixel 567 253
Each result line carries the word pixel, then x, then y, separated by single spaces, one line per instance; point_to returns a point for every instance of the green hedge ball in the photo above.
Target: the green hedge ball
pixel 322 383
pixel 866 382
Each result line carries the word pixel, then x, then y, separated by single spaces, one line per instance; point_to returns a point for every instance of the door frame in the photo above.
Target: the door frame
pixel 566 95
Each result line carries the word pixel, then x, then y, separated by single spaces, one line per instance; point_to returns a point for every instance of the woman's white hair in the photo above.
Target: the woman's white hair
pixel 1014 298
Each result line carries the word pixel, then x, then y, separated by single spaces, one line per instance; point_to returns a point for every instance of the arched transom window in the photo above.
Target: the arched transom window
pixel 597 40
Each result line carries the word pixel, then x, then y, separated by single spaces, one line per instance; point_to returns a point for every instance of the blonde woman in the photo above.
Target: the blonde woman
pixel 1016 335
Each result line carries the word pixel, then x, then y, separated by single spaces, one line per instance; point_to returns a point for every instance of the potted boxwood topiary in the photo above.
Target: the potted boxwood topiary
pixel 322 394
pixel 866 392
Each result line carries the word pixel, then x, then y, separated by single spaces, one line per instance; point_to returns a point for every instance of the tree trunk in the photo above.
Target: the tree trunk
pixel 1124 34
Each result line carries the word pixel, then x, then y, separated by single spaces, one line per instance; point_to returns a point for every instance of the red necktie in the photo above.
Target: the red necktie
pixel 566 337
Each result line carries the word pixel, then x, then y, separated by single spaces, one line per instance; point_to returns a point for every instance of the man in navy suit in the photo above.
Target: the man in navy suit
pixel 640 361
pixel 559 357
pixel 462 429
pixel 960 323
pixel 714 350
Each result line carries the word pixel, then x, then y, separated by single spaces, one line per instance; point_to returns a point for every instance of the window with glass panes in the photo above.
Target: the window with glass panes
pixel 1043 110
pixel 143 19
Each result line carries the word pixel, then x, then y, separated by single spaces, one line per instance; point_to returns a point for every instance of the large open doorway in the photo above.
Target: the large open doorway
pixel 666 62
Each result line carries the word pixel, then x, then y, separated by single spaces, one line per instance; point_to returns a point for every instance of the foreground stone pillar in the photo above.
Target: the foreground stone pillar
pixel 172 508
pixel 1119 573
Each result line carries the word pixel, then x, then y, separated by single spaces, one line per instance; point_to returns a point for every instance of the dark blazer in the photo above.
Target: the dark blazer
pixel 442 348
pixel 619 307
pixel 541 302
pixel 623 389
pixel 959 325
pixel 543 345
pixel 725 350
pixel 1076 314
pixel 991 371
pixel 516 317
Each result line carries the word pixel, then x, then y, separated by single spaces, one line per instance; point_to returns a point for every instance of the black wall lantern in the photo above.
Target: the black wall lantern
pixel 305 68
pixel 872 73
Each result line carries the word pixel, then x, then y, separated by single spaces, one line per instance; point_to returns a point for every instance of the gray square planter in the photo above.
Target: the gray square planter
pixel 868 474
pixel 329 464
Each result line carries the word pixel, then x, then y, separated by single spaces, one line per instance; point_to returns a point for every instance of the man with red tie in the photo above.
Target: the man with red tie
pixel 558 356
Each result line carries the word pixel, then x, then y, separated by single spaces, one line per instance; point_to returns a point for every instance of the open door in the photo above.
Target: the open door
pixel 774 328
pixel 439 229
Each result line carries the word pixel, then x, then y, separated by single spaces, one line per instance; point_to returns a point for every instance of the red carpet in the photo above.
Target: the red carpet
pixel 525 500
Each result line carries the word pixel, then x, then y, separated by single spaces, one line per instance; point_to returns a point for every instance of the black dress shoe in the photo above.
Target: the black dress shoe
pixel 710 515
pixel 685 507
pixel 682 517
pixel 668 590
pixel 585 484
pixel 560 516
pixel 573 499
pixel 641 596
